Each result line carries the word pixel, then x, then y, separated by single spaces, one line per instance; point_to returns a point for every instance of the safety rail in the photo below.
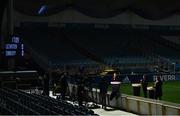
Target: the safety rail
pixel 138 105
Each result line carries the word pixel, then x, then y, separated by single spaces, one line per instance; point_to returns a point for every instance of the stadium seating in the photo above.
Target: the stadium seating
pixel 59 47
pixel 21 103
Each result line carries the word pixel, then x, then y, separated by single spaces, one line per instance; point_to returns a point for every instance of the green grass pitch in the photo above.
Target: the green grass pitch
pixel 171 90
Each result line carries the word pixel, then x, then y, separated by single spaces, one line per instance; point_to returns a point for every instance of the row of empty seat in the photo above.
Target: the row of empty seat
pixel 21 103
pixel 59 46
pixel 128 60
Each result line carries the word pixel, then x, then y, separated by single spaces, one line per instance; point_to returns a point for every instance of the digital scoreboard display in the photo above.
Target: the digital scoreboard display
pixel 14 48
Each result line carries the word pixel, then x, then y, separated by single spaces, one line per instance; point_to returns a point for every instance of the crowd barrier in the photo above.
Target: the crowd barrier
pixel 138 105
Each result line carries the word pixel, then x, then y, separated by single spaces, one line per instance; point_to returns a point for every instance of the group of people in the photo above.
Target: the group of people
pixel 61 86
pixel 157 87
pixel 77 93
pixel 103 86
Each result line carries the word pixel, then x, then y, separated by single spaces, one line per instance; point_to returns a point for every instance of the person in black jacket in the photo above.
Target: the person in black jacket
pixel 80 93
pixel 64 85
pixel 144 83
pixel 103 85
pixel 158 88
pixel 115 87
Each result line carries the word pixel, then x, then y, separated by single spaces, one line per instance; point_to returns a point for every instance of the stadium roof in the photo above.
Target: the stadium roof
pixel 151 9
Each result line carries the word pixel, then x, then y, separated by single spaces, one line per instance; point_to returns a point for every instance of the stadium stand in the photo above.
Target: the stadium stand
pixel 18 102
pixel 82 39
pixel 104 46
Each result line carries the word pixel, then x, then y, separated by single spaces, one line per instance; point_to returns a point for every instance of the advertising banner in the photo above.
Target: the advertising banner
pixel 136 78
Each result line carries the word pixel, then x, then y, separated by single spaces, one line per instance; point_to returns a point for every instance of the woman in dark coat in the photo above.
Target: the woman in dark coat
pixel 158 88
pixel 144 83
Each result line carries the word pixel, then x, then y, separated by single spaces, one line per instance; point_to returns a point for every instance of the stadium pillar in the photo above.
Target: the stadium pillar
pixel 10 27
pixel 3 5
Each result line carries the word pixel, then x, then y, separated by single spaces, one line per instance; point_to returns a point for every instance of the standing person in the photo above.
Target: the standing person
pixel 64 85
pixel 80 92
pixel 158 88
pixel 46 84
pixel 81 69
pixel 115 87
pixel 103 85
pixel 144 83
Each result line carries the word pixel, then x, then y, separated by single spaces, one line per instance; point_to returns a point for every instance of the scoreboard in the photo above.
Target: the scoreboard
pixel 14 48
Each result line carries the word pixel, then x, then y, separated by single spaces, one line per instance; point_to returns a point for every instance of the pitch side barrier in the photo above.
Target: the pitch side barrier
pixel 135 104
pixel 135 78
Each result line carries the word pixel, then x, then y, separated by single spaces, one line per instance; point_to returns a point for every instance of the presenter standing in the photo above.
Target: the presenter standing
pixel 158 88
pixel 115 87
pixel 144 83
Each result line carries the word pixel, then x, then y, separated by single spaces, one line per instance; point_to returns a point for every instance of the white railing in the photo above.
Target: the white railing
pixel 138 105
